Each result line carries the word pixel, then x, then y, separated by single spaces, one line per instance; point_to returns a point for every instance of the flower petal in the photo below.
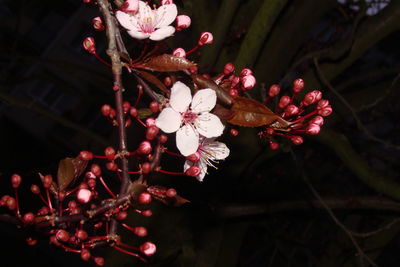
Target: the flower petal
pixel 180 97
pixel 162 33
pixel 204 100
pixel 169 120
pixel 209 125
pixel 218 150
pixel 127 21
pixel 165 15
pixel 203 167
pixel 138 34
pixel 187 165
pixel 187 140
pixel 145 12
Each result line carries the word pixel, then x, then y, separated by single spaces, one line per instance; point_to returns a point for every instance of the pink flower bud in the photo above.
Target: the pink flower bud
pixel 163 139
pixel 205 38
pixel 35 189
pixel 248 82
pixel 171 192
pixel 273 145
pixel 146 168
pixel 62 235
pixel 318 95
pixel 270 131
pixel 274 90
pixel 11 203
pixel 322 104
pixel 167 2
pixel 99 261
pixel 122 216
pixel 284 101
pixel 154 106
pixel 109 152
pixel 234 132
pixel 152 132
pixel 245 72
pixel 313 129
pixel 179 52
pixel 140 231
pixel 144 198
pixel 229 68
pixel 144 148
pixel 15 180
pixel 86 1
pixel 106 110
pixel 182 22
pixel 126 107
pixel 81 234
pixel 29 218
pixel 233 92
pixel 150 122
pixel 148 248
pixel 193 171
pixel 167 81
pixel 291 110
pixel 317 120
pixel 309 99
pixel 95 169
pixel 297 140
pixel 86 155
pixel 130 6
pixel 30 241
pixel 195 157
pixel 298 85
pixel 98 24
pixel 147 213
pixel 85 254
pixel 89 45
pixel 84 195
pixel 133 112
pixel 47 181
pixel 325 111
pixel 235 81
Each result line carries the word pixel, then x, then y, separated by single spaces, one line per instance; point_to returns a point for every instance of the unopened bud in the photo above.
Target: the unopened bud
pixel 298 85
pixel 167 81
pixel 179 52
pixel 146 168
pixel 171 192
pixel 62 235
pixel 291 110
pixel 85 254
pixel 322 104
pixel 154 106
pixel 84 195
pixel 140 231
pixel 150 122
pixel 233 92
pixel 193 171
pixel 182 22
pixel 248 82
pixel 206 38
pixel 274 90
pixel 148 248
pixel 163 139
pixel 313 129
pixel 47 181
pixel 245 72
pixel 35 189
pixel 317 120
pixel 195 157
pixel 309 99
pixel 235 80
pixel 144 198
pixel 229 68
pixel 144 148
pixel 147 213
pixel 297 140
pixel 273 145
pixel 112 166
pixel 86 155
pixel 133 111
pixel 99 261
pixel 89 45
pixel 234 132
pixel 15 180
pixel 106 110
pixel 11 203
pixel 126 106
pixel 98 24
pixel 326 111
pixel 109 151
pixel 167 2
pixel 30 241
pixel 81 234
pixel 95 169
pixel 270 131
pixel 28 218
pixel 284 101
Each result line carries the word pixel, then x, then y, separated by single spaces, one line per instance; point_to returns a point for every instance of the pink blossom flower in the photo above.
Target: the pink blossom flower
pixel 190 123
pixel 149 23
pixel 209 152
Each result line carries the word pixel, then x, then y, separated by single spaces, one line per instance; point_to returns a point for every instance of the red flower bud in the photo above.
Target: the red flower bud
pixel 112 166
pixel 322 104
pixel 163 139
pixel 30 241
pixel 171 192
pixel 166 2
pixel 274 90
pixel 81 234
pixel 270 131
pixel 229 68
pixel 193 171
pixel 109 152
pixel 126 107
pixel 284 101
pixel 146 168
pixel 85 254
pixel 245 72
pixel 84 195
pixel 106 110
pixel 325 111
pixel 15 180
pixel 205 38
pixel 99 261
pixel 150 122
pixel 95 169
pixel 43 211
pixel 89 45
pixel 154 106
pixel 35 189
pixel 147 213
pixel 313 129
pixel 298 85
pixel 195 157
pixel 133 111
pixel 233 92
pixel 291 110
pixel 121 216
pixel 98 24
pixel 148 248
pixel 317 120
pixel 144 198
pixel 167 81
pixel 62 235
pixel 86 155
pixel 91 183
pixel 273 145
pixel 234 132
pixel 29 218
pixel 47 181
pixel 144 148
pixel 297 140
pixel 140 231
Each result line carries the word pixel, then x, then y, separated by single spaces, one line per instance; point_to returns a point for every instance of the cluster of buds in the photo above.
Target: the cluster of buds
pixel 78 219
pixel 307 117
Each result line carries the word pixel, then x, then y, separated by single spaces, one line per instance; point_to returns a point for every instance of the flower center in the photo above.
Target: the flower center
pixel 147 25
pixel 188 117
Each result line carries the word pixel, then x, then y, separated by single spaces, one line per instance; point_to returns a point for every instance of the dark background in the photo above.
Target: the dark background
pixel 257 209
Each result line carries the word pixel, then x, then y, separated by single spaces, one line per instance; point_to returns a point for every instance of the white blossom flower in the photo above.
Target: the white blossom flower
pixel 190 123
pixel 149 23
pixel 209 152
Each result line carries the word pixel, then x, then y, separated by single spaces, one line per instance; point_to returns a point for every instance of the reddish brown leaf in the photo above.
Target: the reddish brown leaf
pixel 68 170
pixel 202 83
pixel 165 63
pixel 251 113
pixel 223 113
pixel 135 188
pixel 158 193
pixel 153 80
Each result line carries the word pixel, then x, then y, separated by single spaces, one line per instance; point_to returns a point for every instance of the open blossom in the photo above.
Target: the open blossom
pixel 209 152
pixel 190 123
pixel 149 23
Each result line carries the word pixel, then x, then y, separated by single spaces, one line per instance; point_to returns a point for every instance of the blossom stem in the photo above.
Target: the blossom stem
pixel 172 173
pixel 106 187
pixel 17 202
pixel 126 245
pixel 102 60
pixel 130 253
pixel 48 199
pixel 304 117
pixel 136 172
pixel 192 50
